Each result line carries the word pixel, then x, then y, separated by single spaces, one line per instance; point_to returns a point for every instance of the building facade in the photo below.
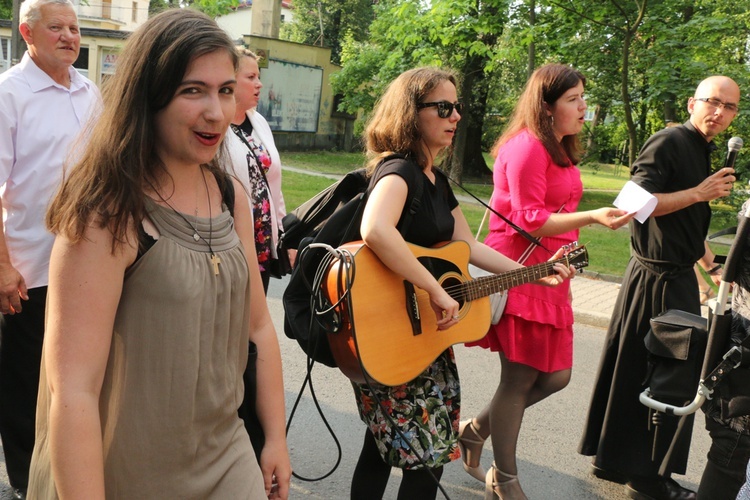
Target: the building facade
pixel 124 15
pixel 240 22
pixel 297 99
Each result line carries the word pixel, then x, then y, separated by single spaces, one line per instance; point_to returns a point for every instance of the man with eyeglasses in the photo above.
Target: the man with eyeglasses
pixel 674 165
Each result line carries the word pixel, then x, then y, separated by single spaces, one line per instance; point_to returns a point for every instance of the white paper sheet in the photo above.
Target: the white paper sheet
pixel 635 199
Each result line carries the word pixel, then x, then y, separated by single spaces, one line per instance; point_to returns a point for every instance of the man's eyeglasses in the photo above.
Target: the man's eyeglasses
pixel 444 108
pixel 715 103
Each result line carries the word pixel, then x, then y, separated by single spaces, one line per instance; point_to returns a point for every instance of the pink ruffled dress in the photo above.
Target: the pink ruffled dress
pixel 537 326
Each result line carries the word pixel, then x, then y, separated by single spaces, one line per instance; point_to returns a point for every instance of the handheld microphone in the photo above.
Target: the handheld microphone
pixel 734 145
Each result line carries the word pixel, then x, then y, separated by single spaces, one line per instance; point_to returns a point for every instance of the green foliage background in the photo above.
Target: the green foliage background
pixel 642 60
pixel 6 9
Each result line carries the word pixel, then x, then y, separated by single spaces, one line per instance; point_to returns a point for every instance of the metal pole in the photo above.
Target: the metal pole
pixel 17 45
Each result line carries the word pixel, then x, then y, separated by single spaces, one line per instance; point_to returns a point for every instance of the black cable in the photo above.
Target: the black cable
pixel 310 363
pixel 308 380
pixel 535 241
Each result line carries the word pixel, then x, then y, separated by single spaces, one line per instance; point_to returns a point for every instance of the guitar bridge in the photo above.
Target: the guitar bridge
pixel 412 308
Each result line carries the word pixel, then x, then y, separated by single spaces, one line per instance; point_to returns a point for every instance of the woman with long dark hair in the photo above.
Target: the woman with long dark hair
pixel 538 187
pixel 154 291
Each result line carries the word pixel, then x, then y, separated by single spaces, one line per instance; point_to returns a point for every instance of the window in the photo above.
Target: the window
pixel 107 9
pixel 82 63
pixel 4 54
pixel 108 63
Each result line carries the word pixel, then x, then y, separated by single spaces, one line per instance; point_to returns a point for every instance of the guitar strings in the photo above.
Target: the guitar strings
pixel 480 283
pixel 478 287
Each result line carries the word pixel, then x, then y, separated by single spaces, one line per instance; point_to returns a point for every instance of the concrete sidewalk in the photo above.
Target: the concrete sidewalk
pixel 593 299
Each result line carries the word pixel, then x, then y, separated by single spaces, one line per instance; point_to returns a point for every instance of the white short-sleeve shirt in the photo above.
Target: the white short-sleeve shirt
pixel 39 123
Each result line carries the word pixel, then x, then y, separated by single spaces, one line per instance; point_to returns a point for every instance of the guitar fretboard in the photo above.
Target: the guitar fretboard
pixel 487 285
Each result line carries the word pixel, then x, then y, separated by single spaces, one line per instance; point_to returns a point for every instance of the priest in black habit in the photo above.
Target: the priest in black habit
pixel 674 165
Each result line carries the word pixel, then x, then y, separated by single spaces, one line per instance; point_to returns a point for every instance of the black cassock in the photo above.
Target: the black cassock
pixel 659 276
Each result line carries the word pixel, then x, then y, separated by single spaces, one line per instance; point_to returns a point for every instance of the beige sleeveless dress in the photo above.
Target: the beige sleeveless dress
pixel 173 382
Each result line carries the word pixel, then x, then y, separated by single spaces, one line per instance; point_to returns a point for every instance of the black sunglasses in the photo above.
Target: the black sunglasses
pixel 444 108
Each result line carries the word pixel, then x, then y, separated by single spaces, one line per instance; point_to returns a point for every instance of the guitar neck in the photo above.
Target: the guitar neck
pixel 487 285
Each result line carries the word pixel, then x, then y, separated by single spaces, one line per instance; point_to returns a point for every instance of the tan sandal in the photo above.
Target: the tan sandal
pixel 502 490
pixel 468 446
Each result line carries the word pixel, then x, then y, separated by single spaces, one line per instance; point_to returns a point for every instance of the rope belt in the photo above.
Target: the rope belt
pixel 665 272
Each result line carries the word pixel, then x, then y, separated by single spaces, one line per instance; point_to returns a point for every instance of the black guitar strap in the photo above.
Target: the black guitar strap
pixel 534 241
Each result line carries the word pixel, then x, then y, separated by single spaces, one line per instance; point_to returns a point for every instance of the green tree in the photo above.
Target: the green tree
pixel 328 22
pixel 622 21
pixel 659 50
pixel 6 9
pixel 642 60
pixel 458 34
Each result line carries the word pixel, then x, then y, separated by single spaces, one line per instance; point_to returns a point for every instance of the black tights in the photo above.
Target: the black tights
pixel 372 473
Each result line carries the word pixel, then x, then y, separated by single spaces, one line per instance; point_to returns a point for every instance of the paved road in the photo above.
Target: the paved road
pixel 549 466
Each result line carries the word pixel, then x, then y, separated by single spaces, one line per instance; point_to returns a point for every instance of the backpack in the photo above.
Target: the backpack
pixel 331 217
pixel 676 344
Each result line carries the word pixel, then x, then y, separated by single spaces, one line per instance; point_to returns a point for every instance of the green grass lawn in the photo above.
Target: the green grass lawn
pixel 609 251
pixel 326 162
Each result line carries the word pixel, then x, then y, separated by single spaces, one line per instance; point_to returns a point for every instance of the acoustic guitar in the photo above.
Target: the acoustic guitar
pixel 388 323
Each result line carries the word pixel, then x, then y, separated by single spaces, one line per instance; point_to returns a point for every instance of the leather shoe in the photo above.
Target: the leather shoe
pixel 18 494
pixel 608 475
pixel 661 488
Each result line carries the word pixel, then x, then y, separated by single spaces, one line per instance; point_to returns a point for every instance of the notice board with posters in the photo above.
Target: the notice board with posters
pixel 290 97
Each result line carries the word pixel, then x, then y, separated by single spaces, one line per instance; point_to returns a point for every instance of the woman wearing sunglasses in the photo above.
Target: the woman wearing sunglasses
pixel 538 187
pixel 412 125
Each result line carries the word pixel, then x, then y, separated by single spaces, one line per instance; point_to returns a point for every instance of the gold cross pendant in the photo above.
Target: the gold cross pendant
pixel 215 261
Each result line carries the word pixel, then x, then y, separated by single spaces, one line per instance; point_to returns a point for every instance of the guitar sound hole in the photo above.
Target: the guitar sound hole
pixel 453 286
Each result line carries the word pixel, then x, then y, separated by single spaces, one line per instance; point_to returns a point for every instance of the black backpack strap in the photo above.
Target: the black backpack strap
pixel 416 203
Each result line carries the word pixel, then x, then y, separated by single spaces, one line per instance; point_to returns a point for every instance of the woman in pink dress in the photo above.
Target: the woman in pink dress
pixel 538 187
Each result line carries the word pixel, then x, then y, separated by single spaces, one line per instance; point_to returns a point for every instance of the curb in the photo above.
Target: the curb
pixel 594 297
pixel 590 318
pixel 610 278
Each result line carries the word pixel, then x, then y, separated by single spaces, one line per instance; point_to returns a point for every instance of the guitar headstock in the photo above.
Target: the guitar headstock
pixel 576 256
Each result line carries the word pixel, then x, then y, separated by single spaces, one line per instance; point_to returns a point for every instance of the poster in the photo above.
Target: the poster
pixel 290 97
